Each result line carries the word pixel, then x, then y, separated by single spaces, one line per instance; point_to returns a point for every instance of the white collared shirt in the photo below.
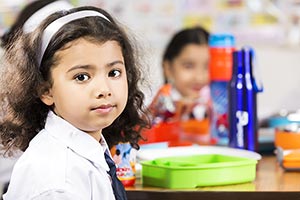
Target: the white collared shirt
pixel 61 163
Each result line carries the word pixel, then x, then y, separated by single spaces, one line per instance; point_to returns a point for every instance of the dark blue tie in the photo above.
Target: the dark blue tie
pixel 117 185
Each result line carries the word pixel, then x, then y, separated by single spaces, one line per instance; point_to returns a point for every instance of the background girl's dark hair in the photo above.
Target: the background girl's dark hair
pixel 27 113
pixel 195 35
pixel 24 15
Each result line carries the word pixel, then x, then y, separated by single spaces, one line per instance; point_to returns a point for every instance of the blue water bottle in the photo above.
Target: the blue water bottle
pixel 243 89
pixel 221 47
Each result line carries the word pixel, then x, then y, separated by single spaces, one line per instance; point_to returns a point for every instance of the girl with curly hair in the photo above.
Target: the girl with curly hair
pixel 69 91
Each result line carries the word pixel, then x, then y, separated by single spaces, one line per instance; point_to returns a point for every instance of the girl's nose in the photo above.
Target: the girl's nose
pixel 102 89
pixel 104 94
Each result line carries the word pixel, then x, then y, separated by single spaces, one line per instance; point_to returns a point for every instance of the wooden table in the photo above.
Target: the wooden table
pixel 271 182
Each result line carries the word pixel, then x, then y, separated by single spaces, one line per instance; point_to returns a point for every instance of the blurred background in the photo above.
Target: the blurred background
pixel 271 27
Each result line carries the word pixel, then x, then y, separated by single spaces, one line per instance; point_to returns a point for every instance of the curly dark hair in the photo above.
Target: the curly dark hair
pixel 23 114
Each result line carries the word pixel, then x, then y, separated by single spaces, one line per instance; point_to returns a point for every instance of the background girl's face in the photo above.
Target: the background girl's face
pixel 188 72
pixel 89 87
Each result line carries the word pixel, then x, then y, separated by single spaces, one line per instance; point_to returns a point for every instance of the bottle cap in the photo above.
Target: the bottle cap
pixel 220 64
pixel 221 40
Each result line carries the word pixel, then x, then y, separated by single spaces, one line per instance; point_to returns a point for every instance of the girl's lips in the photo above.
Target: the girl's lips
pixel 196 89
pixel 104 108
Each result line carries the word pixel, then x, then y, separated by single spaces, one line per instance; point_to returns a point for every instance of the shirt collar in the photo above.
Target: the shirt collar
pixel 175 95
pixel 77 140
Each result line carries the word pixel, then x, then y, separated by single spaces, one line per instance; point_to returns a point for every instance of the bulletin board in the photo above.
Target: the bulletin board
pixel 251 21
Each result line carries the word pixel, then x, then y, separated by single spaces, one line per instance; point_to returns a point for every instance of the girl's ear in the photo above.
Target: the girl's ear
pixel 167 70
pixel 46 94
pixel 47 98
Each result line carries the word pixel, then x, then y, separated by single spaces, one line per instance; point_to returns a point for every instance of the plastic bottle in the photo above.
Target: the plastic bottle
pixel 125 158
pixel 220 68
pixel 242 102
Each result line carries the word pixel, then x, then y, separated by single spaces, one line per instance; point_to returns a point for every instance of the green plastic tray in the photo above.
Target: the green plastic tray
pixel 197 171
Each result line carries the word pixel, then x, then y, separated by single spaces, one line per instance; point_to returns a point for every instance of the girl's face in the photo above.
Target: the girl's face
pixel 188 72
pixel 89 87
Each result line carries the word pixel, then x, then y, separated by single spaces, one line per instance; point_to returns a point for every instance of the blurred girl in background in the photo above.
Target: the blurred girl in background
pixel 185 96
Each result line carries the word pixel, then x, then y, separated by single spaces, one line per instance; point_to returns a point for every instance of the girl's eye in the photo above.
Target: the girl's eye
pixel 82 77
pixel 114 73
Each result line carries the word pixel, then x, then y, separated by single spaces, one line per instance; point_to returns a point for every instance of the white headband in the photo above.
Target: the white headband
pixel 34 20
pixel 53 27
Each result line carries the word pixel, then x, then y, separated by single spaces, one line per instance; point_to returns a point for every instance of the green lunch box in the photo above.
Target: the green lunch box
pixel 197 171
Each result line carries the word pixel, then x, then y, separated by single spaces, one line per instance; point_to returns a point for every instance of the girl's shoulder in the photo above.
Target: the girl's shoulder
pixel 165 89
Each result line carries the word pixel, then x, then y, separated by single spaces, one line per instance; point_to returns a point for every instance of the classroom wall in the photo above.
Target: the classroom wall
pixel 270 27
